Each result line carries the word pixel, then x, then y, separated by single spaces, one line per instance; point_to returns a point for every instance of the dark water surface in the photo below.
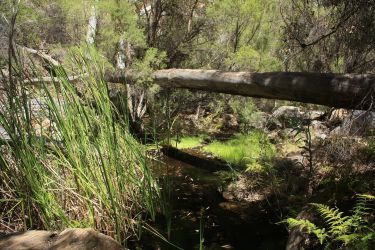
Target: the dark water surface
pixel 195 201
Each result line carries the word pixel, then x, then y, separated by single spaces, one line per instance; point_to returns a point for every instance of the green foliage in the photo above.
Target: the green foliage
pixel 369 149
pixel 228 13
pixel 243 36
pixel 188 141
pixel 85 170
pixel 249 115
pixel 352 231
pixel 313 29
pixel 308 227
pixel 246 58
pixel 153 59
pixel 120 20
pixel 243 150
pixel 27 19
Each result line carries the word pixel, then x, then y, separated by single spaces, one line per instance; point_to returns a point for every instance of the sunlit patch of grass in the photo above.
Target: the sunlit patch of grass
pixel 255 167
pixel 188 141
pixel 243 150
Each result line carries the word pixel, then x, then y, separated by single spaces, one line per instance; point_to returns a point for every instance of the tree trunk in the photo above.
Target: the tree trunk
pixel 91 29
pixel 337 90
pixel 350 91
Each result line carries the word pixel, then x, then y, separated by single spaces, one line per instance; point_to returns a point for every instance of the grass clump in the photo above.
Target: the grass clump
pixel 85 171
pixel 187 141
pixel 244 150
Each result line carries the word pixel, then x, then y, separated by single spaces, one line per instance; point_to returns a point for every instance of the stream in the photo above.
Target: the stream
pixel 194 199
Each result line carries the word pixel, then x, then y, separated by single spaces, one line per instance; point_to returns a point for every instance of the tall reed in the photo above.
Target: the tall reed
pixel 76 164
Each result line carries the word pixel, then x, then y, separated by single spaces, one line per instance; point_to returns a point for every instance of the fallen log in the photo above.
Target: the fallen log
pixel 344 91
pixel 350 91
pixel 42 55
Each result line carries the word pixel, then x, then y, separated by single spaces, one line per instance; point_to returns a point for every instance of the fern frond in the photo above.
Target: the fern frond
pixel 308 227
pixel 366 196
pixel 348 238
pixel 361 209
pixel 352 231
pixel 329 214
pixel 338 224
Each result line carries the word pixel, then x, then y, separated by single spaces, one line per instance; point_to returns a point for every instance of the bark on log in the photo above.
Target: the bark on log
pixel 44 56
pixel 351 91
pixel 336 90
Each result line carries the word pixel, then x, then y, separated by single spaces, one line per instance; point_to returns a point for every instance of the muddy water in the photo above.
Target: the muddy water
pixel 194 196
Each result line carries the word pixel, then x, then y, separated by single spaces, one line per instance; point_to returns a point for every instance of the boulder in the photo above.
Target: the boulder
pixel 230 121
pixel 337 116
pixel 314 114
pixel 298 239
pixel 69 239
pixel 288 116
pixel 336 131
pixel 287 133
pixel 320 130
pixel 273 123
pixel 358 122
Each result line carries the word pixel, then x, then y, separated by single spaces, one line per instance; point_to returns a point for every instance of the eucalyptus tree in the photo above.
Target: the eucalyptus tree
pixel 239 35
pixel 330 36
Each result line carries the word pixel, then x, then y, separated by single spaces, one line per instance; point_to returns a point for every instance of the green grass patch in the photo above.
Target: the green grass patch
pixel 243 150
pixel 188 141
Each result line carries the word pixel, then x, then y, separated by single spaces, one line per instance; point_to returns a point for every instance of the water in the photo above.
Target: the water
pixel 195 199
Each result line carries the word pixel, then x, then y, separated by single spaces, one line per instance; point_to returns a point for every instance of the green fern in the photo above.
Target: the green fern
pixel 338 224
pixel 350 230
pixel 361 209
pixel 308 227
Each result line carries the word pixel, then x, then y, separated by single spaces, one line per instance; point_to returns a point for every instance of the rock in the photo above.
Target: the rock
pixel 318 125
pixel 287 112
pixel 69 239
pixel 314 114
pixel 337 116
pixel 321 136
pixel 228 195
pixel 273 124
pixel 296 158
pixel 358 122
pixel 298 239
pixel 320 130
pixel 273 137
pixel 336 131
pixel 4 134
pixel 41 127
pixel 288 115
pixel 230 121
pixel 287 133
